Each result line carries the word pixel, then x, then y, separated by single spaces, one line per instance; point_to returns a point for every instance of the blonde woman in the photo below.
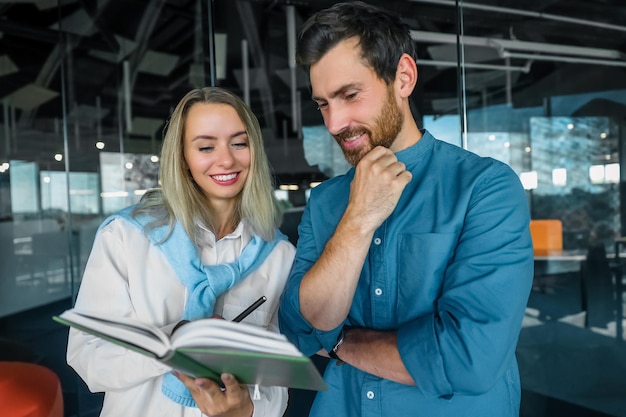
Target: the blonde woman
pixel 168 259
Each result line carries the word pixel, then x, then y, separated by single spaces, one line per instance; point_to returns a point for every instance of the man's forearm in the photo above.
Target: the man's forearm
pixel 327 289
pixel 375 352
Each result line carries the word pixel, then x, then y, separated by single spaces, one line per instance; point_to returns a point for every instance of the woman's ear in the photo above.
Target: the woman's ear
pixel 406 75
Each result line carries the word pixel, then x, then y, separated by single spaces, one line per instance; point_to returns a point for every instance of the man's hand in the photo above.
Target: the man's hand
pixel 378 183
pixel 233 401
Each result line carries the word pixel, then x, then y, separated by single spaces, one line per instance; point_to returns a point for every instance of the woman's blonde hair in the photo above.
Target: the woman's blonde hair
pixel 181 199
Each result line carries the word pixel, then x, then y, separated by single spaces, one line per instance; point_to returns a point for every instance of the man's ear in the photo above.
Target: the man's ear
pixel 406 75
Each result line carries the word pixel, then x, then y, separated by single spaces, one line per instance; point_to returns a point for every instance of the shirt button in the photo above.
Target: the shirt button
pixel 378 291
pixel 370 395
pixel 377 241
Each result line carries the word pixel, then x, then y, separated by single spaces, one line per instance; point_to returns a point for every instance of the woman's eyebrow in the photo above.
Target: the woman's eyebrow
pixel 211 137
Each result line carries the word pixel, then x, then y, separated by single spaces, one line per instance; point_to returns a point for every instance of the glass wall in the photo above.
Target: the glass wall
pixel 552 106
pixel 87 88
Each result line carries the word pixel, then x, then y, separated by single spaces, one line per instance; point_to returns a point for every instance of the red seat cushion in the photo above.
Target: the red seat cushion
pixel 29 390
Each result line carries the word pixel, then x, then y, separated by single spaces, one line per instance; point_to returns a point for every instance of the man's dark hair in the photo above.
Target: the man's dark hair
pixel 383 37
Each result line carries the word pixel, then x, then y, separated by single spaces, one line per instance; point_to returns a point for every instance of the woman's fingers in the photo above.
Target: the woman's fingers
pixel 231 400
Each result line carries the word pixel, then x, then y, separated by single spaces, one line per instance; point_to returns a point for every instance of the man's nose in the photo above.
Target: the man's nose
pixel 336 119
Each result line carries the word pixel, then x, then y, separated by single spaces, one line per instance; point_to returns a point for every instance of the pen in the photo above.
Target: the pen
pixel 250 309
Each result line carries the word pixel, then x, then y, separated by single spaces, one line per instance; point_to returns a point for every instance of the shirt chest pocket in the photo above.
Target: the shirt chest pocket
pixel 258 317
pixel 242 295
pixel 422 263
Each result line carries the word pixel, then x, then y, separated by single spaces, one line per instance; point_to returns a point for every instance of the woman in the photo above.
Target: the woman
pixel 215 207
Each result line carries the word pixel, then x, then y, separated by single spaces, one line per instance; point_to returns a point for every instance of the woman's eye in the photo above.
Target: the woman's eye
pixel 206 149
pixel 240 145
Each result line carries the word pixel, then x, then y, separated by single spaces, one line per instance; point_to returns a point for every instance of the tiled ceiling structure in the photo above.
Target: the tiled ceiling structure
pixel 127 62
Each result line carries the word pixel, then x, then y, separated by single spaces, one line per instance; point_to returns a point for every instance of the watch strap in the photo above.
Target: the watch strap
pixel 333 352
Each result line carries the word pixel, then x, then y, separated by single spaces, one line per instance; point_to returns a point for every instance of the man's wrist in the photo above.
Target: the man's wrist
pixel 333 353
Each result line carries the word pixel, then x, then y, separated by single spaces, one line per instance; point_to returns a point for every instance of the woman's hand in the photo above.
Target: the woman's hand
pixel 233 401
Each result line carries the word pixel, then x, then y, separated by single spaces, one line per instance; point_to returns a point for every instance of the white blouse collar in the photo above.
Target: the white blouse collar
pixel 207 237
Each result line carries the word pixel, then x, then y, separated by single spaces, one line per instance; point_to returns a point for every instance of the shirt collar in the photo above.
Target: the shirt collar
pixel 207 237
pixel 414 153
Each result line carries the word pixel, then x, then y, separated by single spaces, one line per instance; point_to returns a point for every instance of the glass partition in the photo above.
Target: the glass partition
pixel 552 107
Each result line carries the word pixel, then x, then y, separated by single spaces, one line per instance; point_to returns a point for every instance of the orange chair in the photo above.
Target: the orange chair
pixel 547 236
pixel 29 390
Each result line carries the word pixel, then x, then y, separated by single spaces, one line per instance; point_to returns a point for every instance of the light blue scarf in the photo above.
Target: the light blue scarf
pixel 204 283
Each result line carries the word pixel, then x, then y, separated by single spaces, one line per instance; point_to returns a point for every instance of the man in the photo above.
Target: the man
pixel 414 268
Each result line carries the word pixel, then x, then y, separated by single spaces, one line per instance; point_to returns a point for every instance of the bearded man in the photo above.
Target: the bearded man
pixel 412 270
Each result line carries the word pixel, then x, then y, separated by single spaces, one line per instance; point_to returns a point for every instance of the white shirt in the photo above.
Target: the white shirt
pixel 128 276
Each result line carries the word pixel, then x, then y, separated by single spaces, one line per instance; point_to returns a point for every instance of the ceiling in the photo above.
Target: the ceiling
pixel 154 51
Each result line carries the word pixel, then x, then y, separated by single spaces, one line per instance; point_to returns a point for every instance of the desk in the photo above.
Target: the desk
pixel 565 260
pixel 558 262
pixel 576 255
pixel 570 255
pixel 600 281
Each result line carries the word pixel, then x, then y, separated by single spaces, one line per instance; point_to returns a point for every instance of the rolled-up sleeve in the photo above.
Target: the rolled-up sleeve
pixel 292 324
pixel 468 341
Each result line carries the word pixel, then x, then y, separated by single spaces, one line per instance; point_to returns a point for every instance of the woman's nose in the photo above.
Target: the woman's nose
pixel 225 157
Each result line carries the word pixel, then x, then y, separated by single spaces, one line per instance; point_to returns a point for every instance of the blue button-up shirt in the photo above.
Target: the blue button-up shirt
pixel 450 270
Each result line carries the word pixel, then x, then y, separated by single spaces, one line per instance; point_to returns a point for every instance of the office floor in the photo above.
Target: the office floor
pixel 567 369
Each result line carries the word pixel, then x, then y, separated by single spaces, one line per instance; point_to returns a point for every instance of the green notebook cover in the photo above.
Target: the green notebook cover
pixel 250 367
pixel 263 368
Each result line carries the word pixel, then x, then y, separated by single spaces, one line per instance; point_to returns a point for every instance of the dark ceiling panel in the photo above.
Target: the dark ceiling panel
pixel 93 65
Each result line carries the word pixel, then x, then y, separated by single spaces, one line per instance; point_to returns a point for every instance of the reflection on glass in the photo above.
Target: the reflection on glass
pixel 83 191
pixel 529 180
pixel 596 174
pixel 611 173
pixel 125 177
pixel 321 150
pixel 24 194
pixel 559 177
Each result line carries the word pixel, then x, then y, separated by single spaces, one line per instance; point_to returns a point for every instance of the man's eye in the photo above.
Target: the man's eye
pixel 321 106
pixel 351 96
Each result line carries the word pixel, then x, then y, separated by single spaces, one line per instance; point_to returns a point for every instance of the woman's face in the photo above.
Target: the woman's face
pixel 217 151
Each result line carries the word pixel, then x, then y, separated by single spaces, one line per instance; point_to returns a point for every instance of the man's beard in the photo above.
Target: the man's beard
pixel 384 131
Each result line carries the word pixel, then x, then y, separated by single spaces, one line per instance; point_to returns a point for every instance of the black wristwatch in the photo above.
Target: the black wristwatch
pixel 333 352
